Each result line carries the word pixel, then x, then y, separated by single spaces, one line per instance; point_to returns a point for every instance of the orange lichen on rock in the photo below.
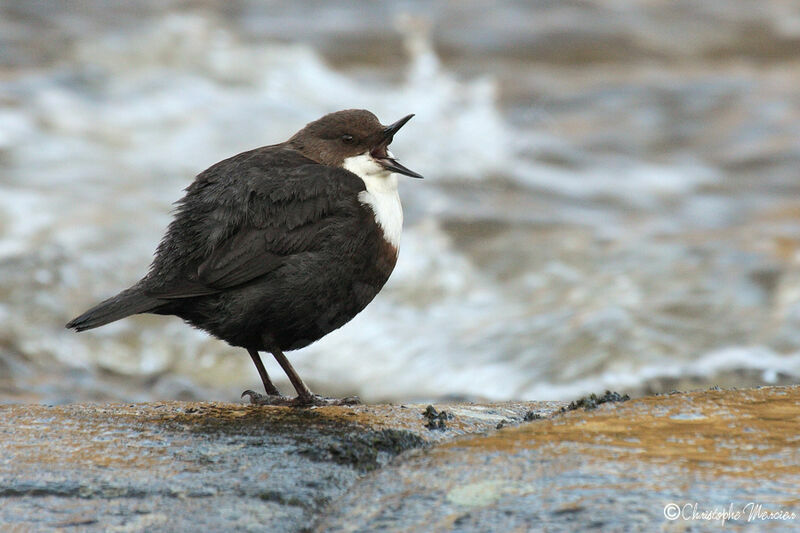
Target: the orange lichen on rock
pixel 751 432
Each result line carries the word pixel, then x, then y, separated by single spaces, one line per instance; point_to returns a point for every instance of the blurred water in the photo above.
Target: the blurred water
pixel 612 193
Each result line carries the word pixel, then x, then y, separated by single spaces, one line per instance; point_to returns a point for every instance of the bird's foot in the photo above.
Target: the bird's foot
pixel 313 400
pixel 266 399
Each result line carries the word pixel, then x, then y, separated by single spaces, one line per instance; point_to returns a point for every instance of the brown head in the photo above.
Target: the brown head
pixel 340 136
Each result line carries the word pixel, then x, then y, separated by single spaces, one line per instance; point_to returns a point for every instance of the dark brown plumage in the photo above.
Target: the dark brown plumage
pixel 273 248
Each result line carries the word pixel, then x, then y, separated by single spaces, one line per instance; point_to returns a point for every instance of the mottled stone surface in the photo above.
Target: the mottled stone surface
pixel 217 467
pixel 226 467
pixel 614 468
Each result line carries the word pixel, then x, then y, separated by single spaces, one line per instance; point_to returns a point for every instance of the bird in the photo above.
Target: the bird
pixel 272 249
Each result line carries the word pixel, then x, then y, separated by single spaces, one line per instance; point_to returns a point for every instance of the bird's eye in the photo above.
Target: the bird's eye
pixel 347 139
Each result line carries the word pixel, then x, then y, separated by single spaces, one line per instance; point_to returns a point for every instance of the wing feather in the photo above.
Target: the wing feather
pixel 245 216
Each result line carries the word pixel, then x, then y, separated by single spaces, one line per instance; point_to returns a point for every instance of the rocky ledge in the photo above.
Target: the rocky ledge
pixel 601 463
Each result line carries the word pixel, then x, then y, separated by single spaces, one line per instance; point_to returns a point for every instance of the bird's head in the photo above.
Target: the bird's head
pixel 353 139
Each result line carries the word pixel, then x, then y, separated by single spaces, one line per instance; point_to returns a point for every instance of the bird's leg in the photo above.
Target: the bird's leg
pixel 303 392
pixel 272 391
pixel 304 395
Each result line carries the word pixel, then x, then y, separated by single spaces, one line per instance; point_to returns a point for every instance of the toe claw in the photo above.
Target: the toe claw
pixel 252 394
pixel 264 399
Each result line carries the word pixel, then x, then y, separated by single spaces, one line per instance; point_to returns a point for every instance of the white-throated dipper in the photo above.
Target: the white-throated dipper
pixel 274 248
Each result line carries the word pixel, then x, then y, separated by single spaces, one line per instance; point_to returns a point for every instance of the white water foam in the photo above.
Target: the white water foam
pixel 99 147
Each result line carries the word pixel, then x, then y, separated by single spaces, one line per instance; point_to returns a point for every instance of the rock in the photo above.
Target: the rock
pixel 205 466
pixel 615 467
pixel 608 464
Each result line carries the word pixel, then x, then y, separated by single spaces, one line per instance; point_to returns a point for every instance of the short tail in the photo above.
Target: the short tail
pixel 128 302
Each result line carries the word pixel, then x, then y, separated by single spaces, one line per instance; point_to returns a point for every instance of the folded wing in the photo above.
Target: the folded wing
pixel 243 217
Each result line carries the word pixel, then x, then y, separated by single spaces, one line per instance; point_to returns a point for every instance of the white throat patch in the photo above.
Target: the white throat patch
pixel 381 194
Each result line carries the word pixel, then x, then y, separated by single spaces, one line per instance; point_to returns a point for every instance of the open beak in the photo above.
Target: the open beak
pixel 381 154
